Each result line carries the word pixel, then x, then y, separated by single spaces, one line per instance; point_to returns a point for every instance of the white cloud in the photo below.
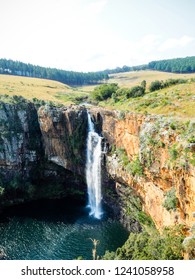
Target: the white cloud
pixel 176 42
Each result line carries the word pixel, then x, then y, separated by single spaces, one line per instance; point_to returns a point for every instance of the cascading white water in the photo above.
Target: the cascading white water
pixel 93 170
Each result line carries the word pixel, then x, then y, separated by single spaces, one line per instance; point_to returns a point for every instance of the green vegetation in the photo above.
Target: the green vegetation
pixel 128 92
pixel 177 65
pixel 122 154
pixel 191 139
pixel 18 68
pixel 136 91
pixel 40 91
pixel 171 201
pixel 136 167
pixel 173 152
pixel 170 96
pixel 153 246
pixel 104 92
pixel 189 242
pixel 156 85
pixel 1 191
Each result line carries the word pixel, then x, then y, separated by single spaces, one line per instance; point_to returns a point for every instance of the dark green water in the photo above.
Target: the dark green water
pixel 57 229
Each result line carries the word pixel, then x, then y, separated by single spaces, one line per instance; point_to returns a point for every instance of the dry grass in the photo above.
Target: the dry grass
pixel 30 88
pixel 130 79
pixel 177 100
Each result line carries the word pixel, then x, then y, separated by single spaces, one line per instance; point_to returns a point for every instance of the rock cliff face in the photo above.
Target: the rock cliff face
pixel 64 132
pixel 20 141
pixel 153 156
pixel 42 152
pixel 148 162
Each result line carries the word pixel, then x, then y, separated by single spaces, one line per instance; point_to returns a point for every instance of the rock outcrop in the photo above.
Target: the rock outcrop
pixel 20 141
pixel 148 161
pixel 64 132
pixel 42 151
pixel 152 155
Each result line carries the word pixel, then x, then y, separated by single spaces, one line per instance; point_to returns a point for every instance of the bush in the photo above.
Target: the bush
pixel 156 85
pixel 121 92
pixel 145 246
pixel 121 152
pixel 136 91
pixel 104 91
pixel 173 152
pixel 189 245
pixel 136 167
pixel 191 139
pixel 171 200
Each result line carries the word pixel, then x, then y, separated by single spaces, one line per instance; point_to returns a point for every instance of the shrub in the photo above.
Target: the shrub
pixel 173 126
pixel 171 200
pixel 119 93
pixel 156 85
pixel 191 139
pixel 104 91
pixel 145 246
pixel 136 167
pixel 173 152
pixel 121 152
pixel 189 245
pixel 136 91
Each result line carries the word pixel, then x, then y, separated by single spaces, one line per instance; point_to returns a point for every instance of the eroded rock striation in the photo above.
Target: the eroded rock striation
pixel 64 132
pixel 154 157
pixel 42 151
pixel 148 162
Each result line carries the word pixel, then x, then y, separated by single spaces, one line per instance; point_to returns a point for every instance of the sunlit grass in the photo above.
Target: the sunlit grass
pixel 130 79
pixel 177 100
pixel 42 89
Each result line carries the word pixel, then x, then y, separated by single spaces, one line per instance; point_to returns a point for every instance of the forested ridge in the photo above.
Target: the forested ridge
pixel 176 65
pixel 10 67
pixel 18 68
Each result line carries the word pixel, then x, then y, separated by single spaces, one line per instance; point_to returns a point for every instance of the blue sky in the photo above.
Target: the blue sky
pixel 91 35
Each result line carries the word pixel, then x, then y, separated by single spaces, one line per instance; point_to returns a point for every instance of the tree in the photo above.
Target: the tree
pixel 136 92
pixel 68 77
pixel 143 84
pixel 104 91
pixel 156 85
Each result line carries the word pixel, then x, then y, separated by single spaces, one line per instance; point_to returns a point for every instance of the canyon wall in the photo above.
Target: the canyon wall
pixel 147 162
pixel 154 156
pixel 42 151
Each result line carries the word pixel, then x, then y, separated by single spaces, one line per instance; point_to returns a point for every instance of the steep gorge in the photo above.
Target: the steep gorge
pixel 146 160
pixel 153 156
pixel 42 152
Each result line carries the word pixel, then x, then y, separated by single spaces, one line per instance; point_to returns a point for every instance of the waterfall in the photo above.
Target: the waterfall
pixel 93 170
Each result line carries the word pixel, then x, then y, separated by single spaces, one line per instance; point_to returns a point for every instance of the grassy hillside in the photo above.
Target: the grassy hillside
pixel 177 100
pixel 129 79
pixel 46 90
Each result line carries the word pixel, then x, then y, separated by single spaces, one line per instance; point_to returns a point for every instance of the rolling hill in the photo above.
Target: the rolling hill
pixel 177 100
